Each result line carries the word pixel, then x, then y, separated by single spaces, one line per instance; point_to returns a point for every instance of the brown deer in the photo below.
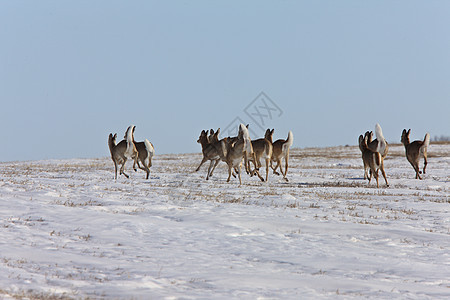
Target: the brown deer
pixel 280 151
pixel 123 150
pixel 379 144
pixel 213 151
pixel 414 150
pixel 263 149
pixel 237 151
pixel 372 160
pixel 225 146
pixel 146 151
pixel 227 143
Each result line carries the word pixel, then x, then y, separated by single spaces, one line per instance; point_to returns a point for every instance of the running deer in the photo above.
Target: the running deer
pixel 414 150
pixel 280 151
pixel 225 144
pixel 237 151
pixel 372 160
pixel 123 150
pixel 146 151
pixel 213 151
pixel 249 156
pixel 379 144
pixel 263 149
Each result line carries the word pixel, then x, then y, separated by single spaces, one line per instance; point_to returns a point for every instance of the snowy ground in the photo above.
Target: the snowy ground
pixel 69 230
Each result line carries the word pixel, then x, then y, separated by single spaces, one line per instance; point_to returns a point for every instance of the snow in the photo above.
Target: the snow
pixel 68 229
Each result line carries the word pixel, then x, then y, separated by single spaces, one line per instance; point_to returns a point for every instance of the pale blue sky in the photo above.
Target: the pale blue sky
pixel 71 72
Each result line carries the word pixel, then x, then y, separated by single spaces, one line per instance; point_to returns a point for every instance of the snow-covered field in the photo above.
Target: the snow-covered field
pixel 69 230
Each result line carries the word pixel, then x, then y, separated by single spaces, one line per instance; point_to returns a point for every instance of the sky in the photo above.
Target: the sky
pixel 71 72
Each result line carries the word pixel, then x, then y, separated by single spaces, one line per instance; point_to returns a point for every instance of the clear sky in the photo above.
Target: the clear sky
pixel 71 72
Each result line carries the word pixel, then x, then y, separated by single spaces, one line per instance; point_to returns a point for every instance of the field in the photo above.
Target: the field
pixel 69 230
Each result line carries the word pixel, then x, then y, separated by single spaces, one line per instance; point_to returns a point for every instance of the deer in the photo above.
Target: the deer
pixel 123 150
pixel 379 144
pixel 263 149
pixel 213 151
pixel 372 160
pixel 280 150
pixel 414 150
pixel 213 137
pixel 227 144
pixel 249 155
pixel 237 151
pixel 146 151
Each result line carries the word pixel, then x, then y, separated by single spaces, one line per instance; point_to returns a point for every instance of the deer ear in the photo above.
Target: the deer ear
pixel 247 126
pixel 218 131
pixel 409 131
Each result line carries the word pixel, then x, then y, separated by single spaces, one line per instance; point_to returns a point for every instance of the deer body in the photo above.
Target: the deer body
pixel 123 150
pixel 213 151
pixel 118 154
pixel 372 160
pixel 146 151
pixel 280 151
pixel 414 150
pixel 237 151
pixel 263 149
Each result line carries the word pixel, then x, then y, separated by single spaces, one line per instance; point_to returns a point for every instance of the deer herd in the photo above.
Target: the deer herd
pixel 241 149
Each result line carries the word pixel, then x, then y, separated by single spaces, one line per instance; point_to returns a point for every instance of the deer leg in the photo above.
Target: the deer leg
pixel 366 176
pixel 418 172
pixel 425 162
pixel 417 169
pixel 376 177
pixel 256 163
pixel 275 169
pixel 249 170
pixel 281 168
pixel 215 165
pixel 235 171
pixel 267 169
pixel 146 169
pixel 211 164
pixel 123 172
pixel 239 174
pixel 134 165
pixel 384 174
pixel 122 169
pixel 203 161
pixel 115 168
pixel 229 173
pixel 255 169
pixel 135 162
pixel 286 159
pixel 246 163
pixel 143 167
pixel 259 175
